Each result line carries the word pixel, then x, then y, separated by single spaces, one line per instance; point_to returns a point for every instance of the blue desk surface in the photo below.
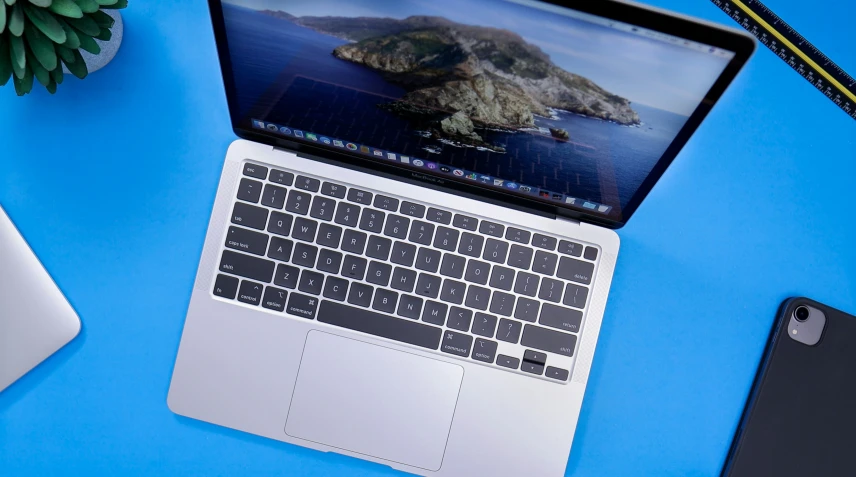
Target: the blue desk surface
pixel 112 181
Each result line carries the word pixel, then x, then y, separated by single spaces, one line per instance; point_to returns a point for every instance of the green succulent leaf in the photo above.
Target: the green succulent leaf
pixel 16 20
pixel 51 87
pixel 106 3
pixel 102 19
pixel 88 44
pixel 78 66
pixel 18 52
pixel 40 73
pixel 71 40
pixel 105 35
pixel 41 3
pixel 88 6
pixel 2 18
pixel 5 62
pixel 41 47
pixel 10 2
pixel 47 23
pixel 66 54
pixel 66 8
pixel 85 25
pixel 116 6
pixel 57 75
pixel 24 84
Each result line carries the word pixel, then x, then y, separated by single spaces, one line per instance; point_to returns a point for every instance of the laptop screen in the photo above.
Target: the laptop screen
pixel 557 105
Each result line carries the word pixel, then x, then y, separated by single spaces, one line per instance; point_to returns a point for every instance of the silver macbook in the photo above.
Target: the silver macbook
pixel 412 243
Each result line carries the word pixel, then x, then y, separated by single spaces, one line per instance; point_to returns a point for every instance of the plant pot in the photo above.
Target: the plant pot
pixel 108 48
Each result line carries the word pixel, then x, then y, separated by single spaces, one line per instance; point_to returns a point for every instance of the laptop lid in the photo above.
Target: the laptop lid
pixel 568 108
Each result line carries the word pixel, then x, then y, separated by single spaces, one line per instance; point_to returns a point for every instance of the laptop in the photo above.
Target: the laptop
pixel 35 318
pixel 413 240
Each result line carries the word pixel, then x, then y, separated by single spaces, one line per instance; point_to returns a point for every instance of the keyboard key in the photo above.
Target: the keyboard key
pixel 478 297
pixel 452 291
pixel 274 196
pixel 354 242
pixel 453 265
pixel 249 216
pixel 556 373
pixel 532 368
pixel 502 278
pixel 484 350
pixel 360 295
pixel 527 310
pixel 378 247
pixel 227 287
pixel 413 210
pixel 286 276
pixel 360 196
pixel 386 203
pixel 403 279
pixel 249 190
pixel 477 272
pixel 570 248
pixel 471 245
pixel 507 361
pixel 372 220
pixel 304 229
pixel 354 267
pixel 446 239
pixel 298 202
pixel 526 284
pixel 508 330
pixel 311 282
pixel 520 257
pixel 396 226
pixel 347 214
pixel 280 249
pixel 543 241
pixel 428 259
pixel 502 303
pixel 336 288
pixel 378 324
pixel 575 270
pixel 403 254
pixel 410 307
pixel 307 183
pixel 575 296
pixel 560 317
pixel 302 305
pixel 329 261
pixel 255 170
pixel 548 340
pixel 421 233
pixel 491 228
pixel 379 273
pixel 517 235
pixel 280 223
pixel 304 255
pixel 322 208
pixel 545 262
pixel 551 290
pixel 281 177
pixel 484 325
pixel 274 299
pixel 457 344
pixel 250 292
pixel 465 222
pixel 428 285
pixel 333 190
pixel 385 300
pixel 434 313
pixel 439 216
pixel 495 251
pixel 590 253
pixel 536 357
pixel 329 235
pixel 246 240
pixel 459 319
pixel 246 266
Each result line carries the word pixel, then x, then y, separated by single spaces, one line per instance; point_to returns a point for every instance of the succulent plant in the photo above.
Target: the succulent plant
pixel 38 37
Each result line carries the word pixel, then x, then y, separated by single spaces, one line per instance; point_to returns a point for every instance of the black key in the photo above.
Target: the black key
pixel 385 300
pixel 484 350
pixel 575 270
pixel 452 291
pixel 471 245
pixel 307 183
pixel 372 220
pixel 336 288
pixel 413 210
pixel 280 249
pixel 545 262
pixel 453 265
pixel 527 310
pixel 562 318
pixel 456 343
pixel 304 229
pixel 360 295
pixel 298 202
pixel 527 284
pixel 249 216
pixel 274 196
pixel 557 373
pixel 280 223
pixel 329 235
pixel 502 303
pixel 570 248
pixel 281 177
pixel 255 170
pixel 378 324
pixel 532 368
pixel 311 282
pixel 428 285
pixel 396 226
pixel 548 340
pixel 403 279
pixel 333 190
pixel 466 222
pixel 520 257
pixel 543 241
pixel 410 307
pixel 507 361
pixel 590 253
pixel 286 276
pixel 354 242
pixel 439 216
pixel 347 214
pixel 403 254
pixel 421 232
pixel 484 325
pixel 509 330
pixel 378 247
pixel 491 228
pixel 323 208
pixel 302 305
pixel 250 292
pixel 386 203
pixel 434 313
pixel 246 241
pixel 502 278
pixel 379 273
pixel 477 272
pixel 360 196
pixel 517 235
pixel 459 319
pixel 250 190
pixel 329 261
pixel 304 255
pixel 428 259
pixel 575 296
pixel 478 297
pixel 274 299
pixel 246 266
pixel 227 287
pixel 495 251
pixel 354 267
pixel 536 357
pixel 551 290
pixel 446 239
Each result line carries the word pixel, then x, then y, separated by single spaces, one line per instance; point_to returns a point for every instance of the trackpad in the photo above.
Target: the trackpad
pixel 374 401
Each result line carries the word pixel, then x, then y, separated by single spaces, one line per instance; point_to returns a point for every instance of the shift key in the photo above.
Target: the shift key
pixel 548 340
pixel 246 266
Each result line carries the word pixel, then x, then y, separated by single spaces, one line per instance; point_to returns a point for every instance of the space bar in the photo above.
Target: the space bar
pixel 385 326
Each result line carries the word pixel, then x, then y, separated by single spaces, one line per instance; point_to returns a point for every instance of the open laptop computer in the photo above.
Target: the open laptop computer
pixel 412 244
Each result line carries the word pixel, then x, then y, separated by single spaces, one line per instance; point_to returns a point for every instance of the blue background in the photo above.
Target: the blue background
pixel 112 180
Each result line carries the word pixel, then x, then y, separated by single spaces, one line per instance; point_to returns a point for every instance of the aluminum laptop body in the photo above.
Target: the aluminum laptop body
pixel 412 245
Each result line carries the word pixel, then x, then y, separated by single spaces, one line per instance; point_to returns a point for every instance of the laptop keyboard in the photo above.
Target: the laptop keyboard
pixel 406 271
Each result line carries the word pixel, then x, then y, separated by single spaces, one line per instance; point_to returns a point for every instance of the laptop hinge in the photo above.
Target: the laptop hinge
pixel 571 221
